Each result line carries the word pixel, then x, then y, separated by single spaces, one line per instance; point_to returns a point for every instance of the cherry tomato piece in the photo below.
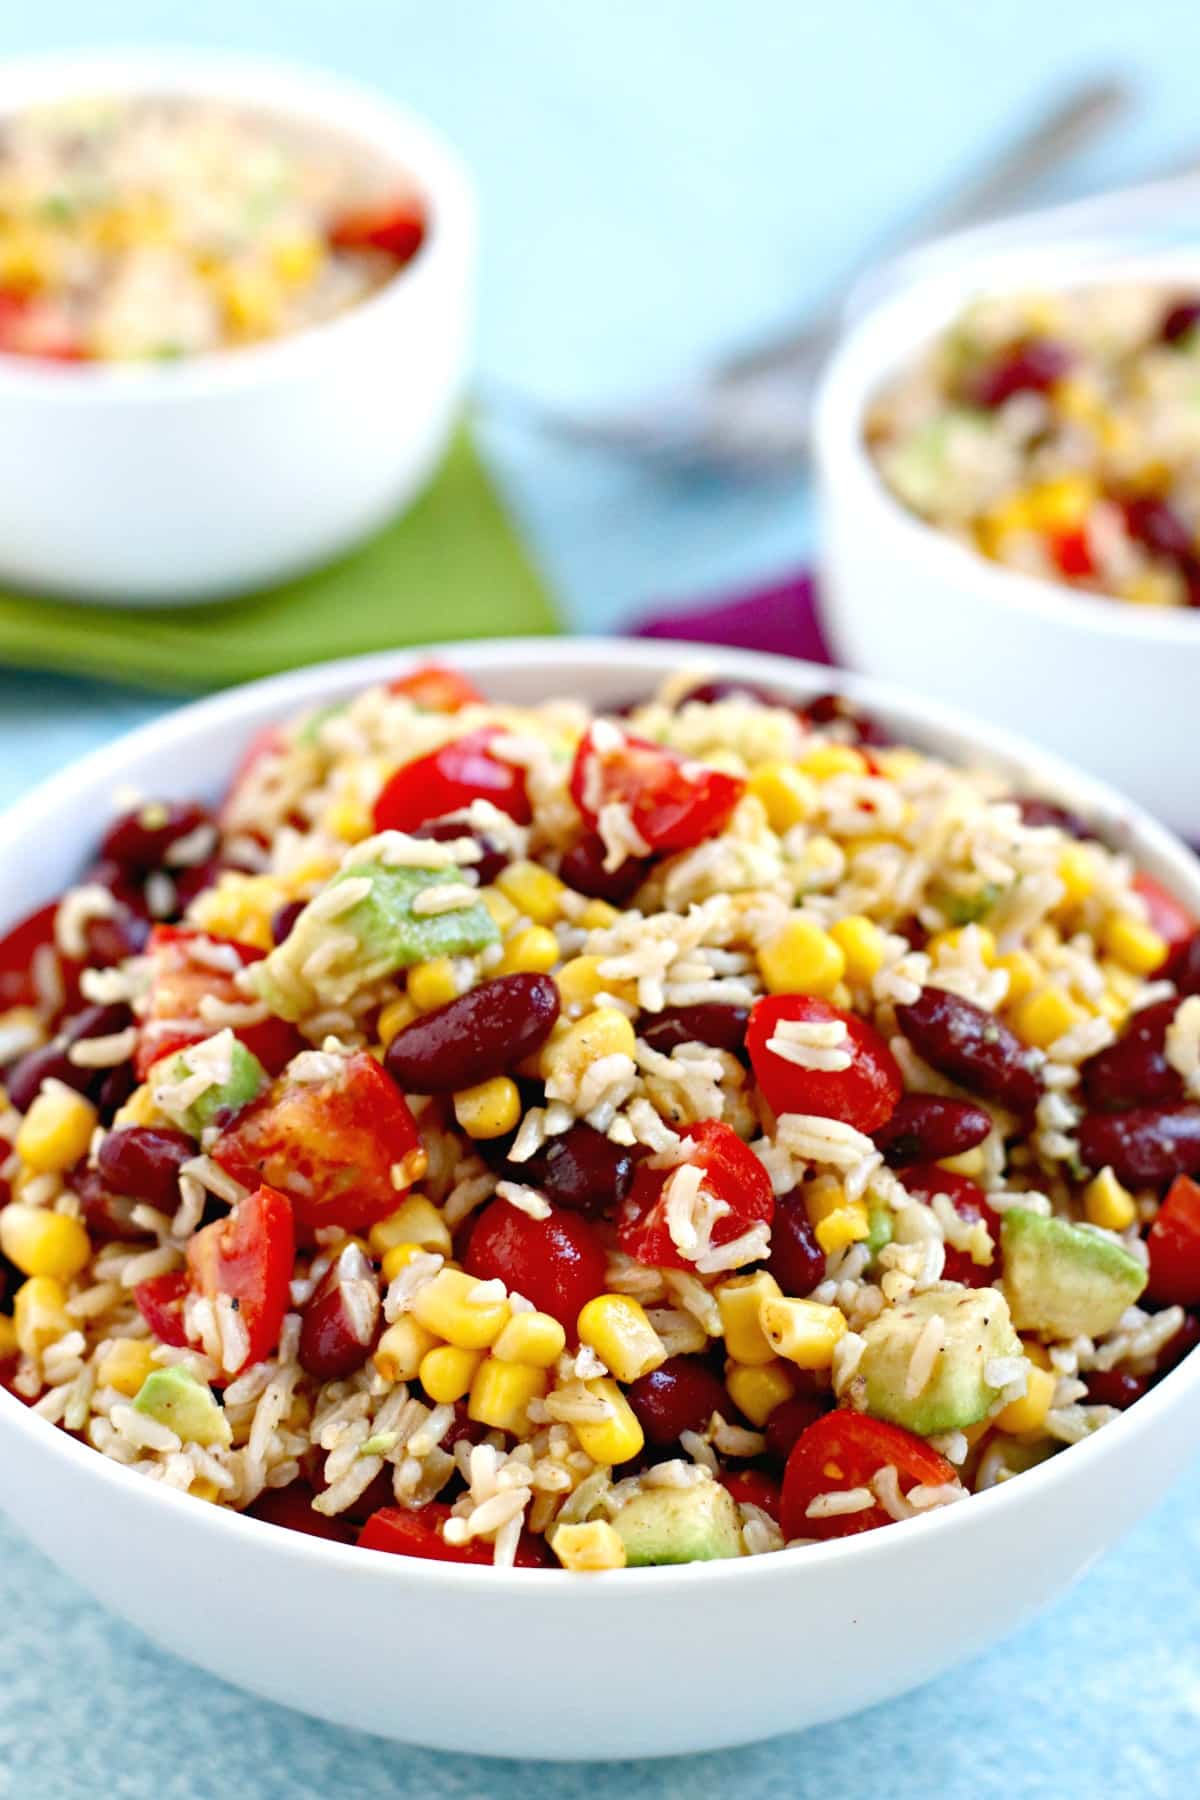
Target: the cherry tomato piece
pixel 436 689
pixel 248 1258
pixel 181 974
pixel 396 227
pixel 672 802
pixel 447 780
pixel 18 947
pixel 1174 1244
pixel 969 1201
pixel 400 1532
pixel 160 1302
pixel 1168 916
pixel 730 1173
pixel 1072 553
pixel 845 1450
pixel 557 1262
pixel 292 1507
pixel 865 1095
pixel 750 1487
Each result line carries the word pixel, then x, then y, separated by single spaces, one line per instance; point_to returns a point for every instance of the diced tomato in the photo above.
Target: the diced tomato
pixel 27 329
pixel 248 1257
pixel 396 227
pixel 160 1302
pixel 449 779
pixel 557 1262
pixel 730 1173
pixel 292 1507
pixel 672 802
pixel 970 1203
pixel 17 948
pixel 865 1095
pixel 1072 553
pixel 436 689
pixel 179 980
pixel 1174 1244
pixel 1167 915
pixel 845 1450
pixel 419 1533
pixel 750 1487
pixel 330 1145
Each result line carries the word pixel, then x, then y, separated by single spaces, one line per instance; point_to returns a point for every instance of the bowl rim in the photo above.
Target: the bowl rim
pixel 363 116
pixel 247 706
pixel 891 335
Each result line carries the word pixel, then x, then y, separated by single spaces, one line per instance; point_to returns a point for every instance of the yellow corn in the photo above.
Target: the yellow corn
pixel 450 1307
pixel 967 1162
pixel 738 1301
pixel 533 1338
pixel 802 959
pixel 533 890
pixel 588 1547
pixel 1062 504
pixel 823 1196
pixel 617 1329
pixel 501 1392
pixel 250 298
pixel 40 1314
pixel 824 760
pixel 757 1391
pixel 203 1489
pixel 605 1032
pixel 1043 1016
pixel 56 1130
pixel 295 259
pixel 432 984
pixel 402 1349
pixel 1029 1412
pixel 787 796
pixel 1023 971
pixel 399 1257
pixel 1134 944
pixel 1158 586
pixel 898 763
pixel 952 942
pixel 504 913
pixel 125 1365
pixel 394 1017
pixel 446 1372
pixel 861 943
pixel 846 1225
pixel 613 1439
pixel 1037 1353
pixel 490 1109
pixel 598 915
pixel 803 1331
pixel 43 1243
pixel 579 981
pixel 241 907
pixel 1105 1202
pixel 533 951
pixel 1077 872
pixel 415 1221
pixel 8 1338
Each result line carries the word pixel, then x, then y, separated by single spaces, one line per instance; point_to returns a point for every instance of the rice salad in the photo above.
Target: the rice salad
pixel 1059 434
pixel 521 1136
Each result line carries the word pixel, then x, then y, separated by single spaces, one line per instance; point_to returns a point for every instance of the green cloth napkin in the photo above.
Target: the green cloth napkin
pixel 451 567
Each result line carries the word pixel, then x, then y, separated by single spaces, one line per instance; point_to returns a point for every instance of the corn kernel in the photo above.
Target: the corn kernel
pixel 847 1225
pixel 598 915
pixel 533 951
pixel 446 1372
pixel 415 1221
pixel 251 299
pixel 8 1339
pixel 448 1305
pixel 1037 1353
pixel 533 890
pixel 56 1130
pixel 823 1196
pixel 432 984
pixel 501 1392
pixel 757 1391
pixel 617 1329
pixel 613 1439
pixel 533 1338
pixel 1105 1202
pixel 739 1300
pixel 394 1018
pixel 589 1547
pixel 140 1109
pixel 605 1032
pixel 239 906
pixel 125 1365
pixel 824 760
pixel 1134 944
pixel 803 1331
pixel 1023 971
pixel 43 1243
pixel 580 980
pixel 40 1314
pixel 1029 1412
pixel 968 1162
pixel 801 959
pixel 1043 1016
pixel 1077 872
pixel 296 258
pixel 1062 504
pixel 954 941
pixel 402 1348
pixel 787 796
pixel 398 1258
pixel 490 1109
pixel 861 943
pixel 203 1489
pixel 503 912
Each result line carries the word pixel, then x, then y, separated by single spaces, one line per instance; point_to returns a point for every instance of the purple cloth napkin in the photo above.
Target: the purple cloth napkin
pixel 782 618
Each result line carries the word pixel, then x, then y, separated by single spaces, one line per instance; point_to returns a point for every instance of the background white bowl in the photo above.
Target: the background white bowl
pixel 538 1663
pixel 145 484
pixel 1108 684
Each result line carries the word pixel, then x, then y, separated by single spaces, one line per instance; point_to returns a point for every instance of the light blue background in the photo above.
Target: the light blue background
pixel 658 180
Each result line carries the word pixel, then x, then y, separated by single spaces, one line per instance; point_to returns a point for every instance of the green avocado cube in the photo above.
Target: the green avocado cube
pixel 245 1082
pixel 1066 1280
pixel 975 1329
pixel 186 1405
pixel 679 1525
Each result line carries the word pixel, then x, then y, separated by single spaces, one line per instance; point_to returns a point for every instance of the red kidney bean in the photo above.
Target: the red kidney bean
pixel 114 1090
pixel 926 1127
pixel 1177 1347
pixel 789 1419
pixel 972 1047
pixel 681 1395
pixel 582 868
pixel 97 1022
pixel 340 1321
pixel 109 941
pixel 139 840
pixel 1134 1071
pixel 494 856
pixel 144 1162
pixel 479 1035
pixel 1037 812
pixel 797 1261
pixel 582 1171
pixel 1146 1145
pixel 1183 965
pixel 283 919
pixel 1032 367
pixel 51 1062
pixel 106 1215
pixel 709 692
pixel 724 1027
pixel 1156 524
pixel 836 709
pixel 1179 321
pixel 1115 1387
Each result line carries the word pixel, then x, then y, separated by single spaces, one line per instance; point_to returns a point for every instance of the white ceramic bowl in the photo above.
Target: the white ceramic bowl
pixel 147 484
pixel 537 1662
pixel 1108 684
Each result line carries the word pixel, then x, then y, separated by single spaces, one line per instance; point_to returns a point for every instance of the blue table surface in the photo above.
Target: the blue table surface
pixel 657 182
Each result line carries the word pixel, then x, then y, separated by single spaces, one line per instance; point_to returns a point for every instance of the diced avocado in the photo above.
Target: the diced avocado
pixel 957 1393
pixel 245 1082
pixel 968 909
pixel 880 1226
pixel 1065 1280
pixel 310 731
pixel 387 935
pixel 177 1399
pixel 679 1525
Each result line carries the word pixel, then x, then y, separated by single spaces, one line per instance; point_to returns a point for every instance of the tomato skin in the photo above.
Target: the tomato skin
pixel 437 689
pixel 396 227
pixel 732 1173
pixel 17 948
pixel 969 1202
pixel 178 984
pixel 844 1450
pixel 160 1302
pixel 557 1262
pixel 1072 553
pixel 249 1258
pixel 292 1508
pixel 750 1487
pixel 26 330
pixel 329 1145
pixel 1174 1244
pixel 1168 916
pixel 399 1532
pixel 673 802
pixel 449 779
pixel 865 1095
